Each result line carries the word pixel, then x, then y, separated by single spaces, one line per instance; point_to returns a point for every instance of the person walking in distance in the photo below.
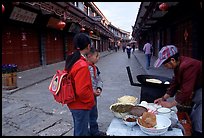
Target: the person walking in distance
pixel 133 48
pixel 124 47
pixel 77 64
pixel 148 54
pixel 128 50
pixel 97 83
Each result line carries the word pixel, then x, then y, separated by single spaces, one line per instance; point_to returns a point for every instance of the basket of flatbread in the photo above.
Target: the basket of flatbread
pixel 128 99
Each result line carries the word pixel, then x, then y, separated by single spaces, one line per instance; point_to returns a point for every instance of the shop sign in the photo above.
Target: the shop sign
pixel 23 15
pixel 97 18
pixel 95 37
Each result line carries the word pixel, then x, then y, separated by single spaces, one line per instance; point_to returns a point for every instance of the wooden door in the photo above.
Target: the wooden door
pixel 182 37
pixel 20 45
pixel 54 47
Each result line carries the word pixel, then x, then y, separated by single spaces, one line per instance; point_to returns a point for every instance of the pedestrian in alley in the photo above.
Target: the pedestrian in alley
pixel 148 49
pixel 124 47
pixel 97 83
pixel 128 50
pixel 186 85
pixel 116 47
pixel 133 48
pixel 78 66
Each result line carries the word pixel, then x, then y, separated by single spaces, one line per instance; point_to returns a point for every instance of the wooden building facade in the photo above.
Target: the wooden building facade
pixel 179 24
pixel 31 36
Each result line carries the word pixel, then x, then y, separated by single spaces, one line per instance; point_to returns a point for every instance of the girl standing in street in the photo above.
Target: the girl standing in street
pixel 77 64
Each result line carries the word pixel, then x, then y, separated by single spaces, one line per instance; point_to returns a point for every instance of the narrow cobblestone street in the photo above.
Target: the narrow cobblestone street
pixel 32 110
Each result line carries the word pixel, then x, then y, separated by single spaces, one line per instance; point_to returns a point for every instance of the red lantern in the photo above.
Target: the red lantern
pixel 163 6
pixel 61 25
pixel 82 29
pixel 3 9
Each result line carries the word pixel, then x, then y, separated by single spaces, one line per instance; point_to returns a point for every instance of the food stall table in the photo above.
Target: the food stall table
pixel 118 128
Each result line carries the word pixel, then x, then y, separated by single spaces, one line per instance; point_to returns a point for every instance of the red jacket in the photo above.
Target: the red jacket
pixel 84 91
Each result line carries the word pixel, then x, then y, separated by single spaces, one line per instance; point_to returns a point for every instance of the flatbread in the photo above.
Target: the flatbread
pixel 127 99
pixel 154 81
pixel 148 120
pixel 166 82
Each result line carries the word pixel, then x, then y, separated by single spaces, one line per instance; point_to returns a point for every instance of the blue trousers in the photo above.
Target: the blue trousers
pixel 148 60
pixel 81 120
pixel 196 114
pixel 93 120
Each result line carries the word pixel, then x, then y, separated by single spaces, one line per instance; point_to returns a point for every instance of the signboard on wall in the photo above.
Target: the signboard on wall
pixel 97 18
pixel 22 15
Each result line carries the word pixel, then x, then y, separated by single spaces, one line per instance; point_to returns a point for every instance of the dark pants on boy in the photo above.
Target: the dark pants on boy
pixel 94 131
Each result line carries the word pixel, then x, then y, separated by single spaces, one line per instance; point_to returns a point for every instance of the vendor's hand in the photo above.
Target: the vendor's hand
pixel 158 101
pixel 166 104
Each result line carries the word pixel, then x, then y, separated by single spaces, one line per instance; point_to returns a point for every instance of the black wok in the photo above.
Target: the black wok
pixel 142 79
pixel 149 91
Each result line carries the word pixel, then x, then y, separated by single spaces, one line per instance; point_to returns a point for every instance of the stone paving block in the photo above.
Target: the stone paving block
pixel 57 130
pixel 20 132
pixel 27 119
pixel 11 108
pixel 7 129
pixel 70 132
pixel 44 124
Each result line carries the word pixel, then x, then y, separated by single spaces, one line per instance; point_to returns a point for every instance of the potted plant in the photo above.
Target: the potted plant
pixel 9 76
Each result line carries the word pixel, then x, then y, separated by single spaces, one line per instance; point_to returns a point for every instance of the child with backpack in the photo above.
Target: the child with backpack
pixel 97 83
pixel 77 64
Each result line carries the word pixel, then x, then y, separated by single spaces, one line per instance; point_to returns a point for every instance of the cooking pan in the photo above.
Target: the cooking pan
pixel 149 91
pixel 142 80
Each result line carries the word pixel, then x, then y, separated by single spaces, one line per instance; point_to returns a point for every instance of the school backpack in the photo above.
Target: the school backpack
pixel 62 87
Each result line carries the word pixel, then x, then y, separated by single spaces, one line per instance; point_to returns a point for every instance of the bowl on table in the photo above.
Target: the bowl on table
pixel 164 111
pixel 161 127
pixel 130 120
pixel 120 110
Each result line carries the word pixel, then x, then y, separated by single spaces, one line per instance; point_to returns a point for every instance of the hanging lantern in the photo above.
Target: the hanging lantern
pixel 163 6
pixel 3 9
pixel 61 25
pixel 82 29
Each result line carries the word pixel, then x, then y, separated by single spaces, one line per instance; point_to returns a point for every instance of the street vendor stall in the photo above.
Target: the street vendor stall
pixel 117 126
